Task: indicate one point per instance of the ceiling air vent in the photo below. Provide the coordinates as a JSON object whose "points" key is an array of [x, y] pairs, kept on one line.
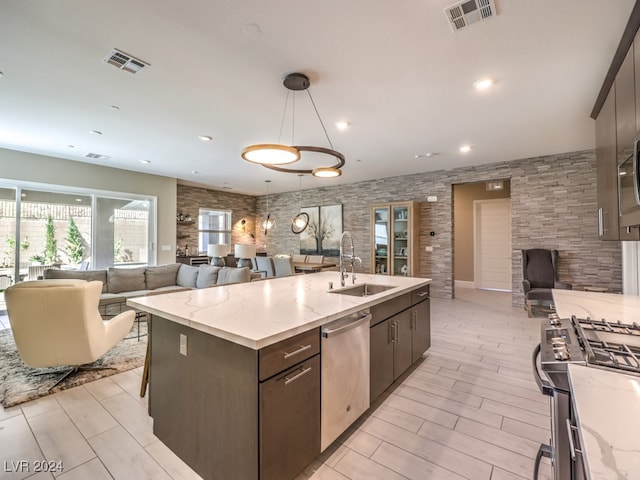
{"points": [[467, 12], [125, 61], [97, 156]]}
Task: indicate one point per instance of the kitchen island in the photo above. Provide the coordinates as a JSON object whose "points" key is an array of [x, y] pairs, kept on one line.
{"points": [[235, 385]]}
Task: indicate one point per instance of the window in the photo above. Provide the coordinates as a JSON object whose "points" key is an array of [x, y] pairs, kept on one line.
{"points": [[71, 227], [214, 226]]}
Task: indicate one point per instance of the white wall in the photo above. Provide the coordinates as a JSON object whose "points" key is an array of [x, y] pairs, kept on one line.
{"points": [[42, 169]]}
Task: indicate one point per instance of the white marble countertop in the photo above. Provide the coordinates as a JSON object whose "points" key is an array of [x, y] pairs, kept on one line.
{"points": [[608, 412], [610, 306], [257, 314]]}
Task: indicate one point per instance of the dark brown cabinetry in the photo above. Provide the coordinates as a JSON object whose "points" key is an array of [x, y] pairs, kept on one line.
{"points": [[233, 412], [616, 128], [400, 334], [390, 351], [606, 169], [381, 364], [420, 322], [290, 420]]}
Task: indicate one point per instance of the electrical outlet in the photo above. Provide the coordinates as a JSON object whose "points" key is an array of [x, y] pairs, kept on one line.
{"points": [[428, 249], [166, 248], [183, 345]]}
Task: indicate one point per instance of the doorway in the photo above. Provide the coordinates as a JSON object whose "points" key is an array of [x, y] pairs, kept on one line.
{"points": [[492, 244], [467, 273]]}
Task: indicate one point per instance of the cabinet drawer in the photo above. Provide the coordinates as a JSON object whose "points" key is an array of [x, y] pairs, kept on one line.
{"points": [[282, 355], [420, 295], [290, 421], [389, 308]]}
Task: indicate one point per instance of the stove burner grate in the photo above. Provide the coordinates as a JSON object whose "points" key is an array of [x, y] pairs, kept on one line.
{"points": [[614, 355], [612, 327]]}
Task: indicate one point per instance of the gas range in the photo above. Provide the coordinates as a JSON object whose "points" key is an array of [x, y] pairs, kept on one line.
{"points": [[583, 341], [590, 342]]}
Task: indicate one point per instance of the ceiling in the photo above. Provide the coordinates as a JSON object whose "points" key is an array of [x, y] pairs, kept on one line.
{"points": [[394, 70]]}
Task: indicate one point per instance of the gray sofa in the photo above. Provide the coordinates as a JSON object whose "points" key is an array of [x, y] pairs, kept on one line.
{"points": [[118, 284]]}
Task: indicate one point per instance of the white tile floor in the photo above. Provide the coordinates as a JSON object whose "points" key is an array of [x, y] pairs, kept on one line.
{"points": [[470, 410]]}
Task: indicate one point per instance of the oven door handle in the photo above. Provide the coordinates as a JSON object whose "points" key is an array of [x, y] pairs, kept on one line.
{"points": [[544, 385], [543, 451]]}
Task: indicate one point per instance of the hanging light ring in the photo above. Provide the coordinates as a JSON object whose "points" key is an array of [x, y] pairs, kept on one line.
{"points": [[325, 151], [300, 222]]}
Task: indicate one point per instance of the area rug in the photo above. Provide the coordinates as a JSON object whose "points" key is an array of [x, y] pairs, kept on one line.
{"points": [[18, 384]]}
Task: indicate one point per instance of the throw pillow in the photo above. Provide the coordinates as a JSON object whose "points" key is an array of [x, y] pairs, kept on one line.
{"points": [[161, 276], [187, 276], [233, 275], [207, 276], [125, 279]]}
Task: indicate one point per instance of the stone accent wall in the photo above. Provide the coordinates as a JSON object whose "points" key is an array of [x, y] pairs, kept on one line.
{"points": [[553, 206], [190, 199]]}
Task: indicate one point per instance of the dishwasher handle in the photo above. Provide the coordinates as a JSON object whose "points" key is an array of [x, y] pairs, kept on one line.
{"points": [[343, 325]]}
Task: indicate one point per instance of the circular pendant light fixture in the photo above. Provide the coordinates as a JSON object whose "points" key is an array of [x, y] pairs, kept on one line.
{"points": [[272, 155], [300, 222]]}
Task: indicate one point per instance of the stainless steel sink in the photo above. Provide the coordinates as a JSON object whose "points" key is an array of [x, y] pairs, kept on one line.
{"points": [[362, 290]]}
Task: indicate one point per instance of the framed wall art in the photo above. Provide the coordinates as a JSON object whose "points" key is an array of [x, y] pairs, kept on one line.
{"points": [[322, 236]]}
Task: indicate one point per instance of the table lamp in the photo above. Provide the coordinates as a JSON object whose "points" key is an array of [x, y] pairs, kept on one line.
{"points": [[244, 252], [217, 252]]}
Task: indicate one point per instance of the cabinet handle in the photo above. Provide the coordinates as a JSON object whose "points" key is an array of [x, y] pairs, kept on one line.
{"points": [[422, 294], [414, 320], [304, 371], [600, 222], [300, 350], [396, 335], [390, 333], [572, 447]]}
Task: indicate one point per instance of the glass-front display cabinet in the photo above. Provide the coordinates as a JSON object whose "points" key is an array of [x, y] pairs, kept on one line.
{"points": [[394, 238]]}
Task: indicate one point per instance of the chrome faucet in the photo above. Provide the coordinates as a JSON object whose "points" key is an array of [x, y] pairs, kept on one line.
{"points": [[350, 256]]}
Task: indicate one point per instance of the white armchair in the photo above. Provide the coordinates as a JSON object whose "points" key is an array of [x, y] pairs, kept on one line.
{"points": [[56, 323]]}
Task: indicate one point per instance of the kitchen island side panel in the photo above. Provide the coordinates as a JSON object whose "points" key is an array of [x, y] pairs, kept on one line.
{"points": [[204, 404]]}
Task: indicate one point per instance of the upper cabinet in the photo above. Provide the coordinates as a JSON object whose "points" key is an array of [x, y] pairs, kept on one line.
{"points": [[626, 119], [606, 168], [616, 128], [394, 238]]}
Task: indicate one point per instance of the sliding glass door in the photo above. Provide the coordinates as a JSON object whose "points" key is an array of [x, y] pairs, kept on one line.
{"points": [[72, 228], [123, 232]]}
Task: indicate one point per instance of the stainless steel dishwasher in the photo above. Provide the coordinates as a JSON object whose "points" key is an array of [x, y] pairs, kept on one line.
{"points": [[345, 374]]}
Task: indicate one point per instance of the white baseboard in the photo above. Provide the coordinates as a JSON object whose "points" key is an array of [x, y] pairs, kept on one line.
{"points": [[464, 284]]}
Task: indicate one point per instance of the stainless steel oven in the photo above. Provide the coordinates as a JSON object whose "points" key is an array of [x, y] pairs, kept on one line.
{"points": [[594, 343], [558, 347]]}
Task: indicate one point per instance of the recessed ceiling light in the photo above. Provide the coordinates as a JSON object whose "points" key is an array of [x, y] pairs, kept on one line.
{"points": [[114, 107], [342, 125], [465, 148], [425, 155], [71, 146], [78, 199], [195, 171], [146, 162], [1, 74], [95, 132], [205, 138], [483, 84]]}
